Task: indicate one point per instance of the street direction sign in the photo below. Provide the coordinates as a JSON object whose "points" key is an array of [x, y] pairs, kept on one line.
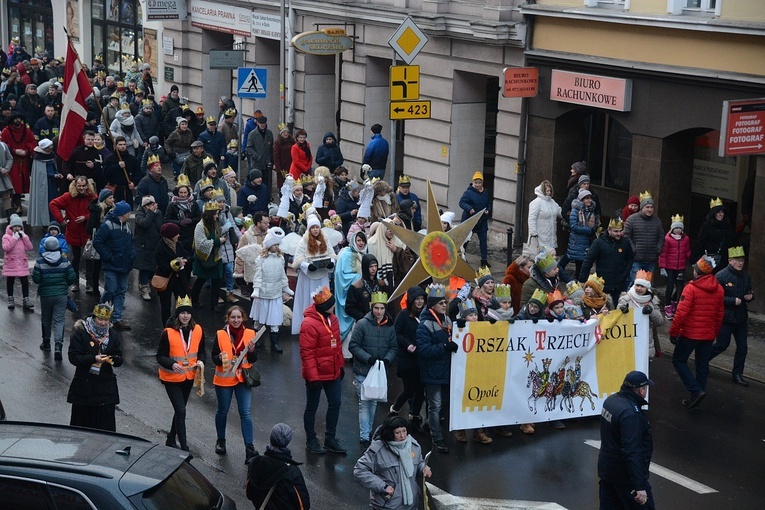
{"points": [[743, 127], [251, 82], [405, 110], [404, 83], [408, 40]]}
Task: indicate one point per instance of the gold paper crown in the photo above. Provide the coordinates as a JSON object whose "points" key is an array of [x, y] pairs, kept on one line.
{"points": [[148, 102], [616, 224], [153, 159], [735, 252], [228, 170], [546, 263], [183, 180], [207, 162], [571, 287], [554, 296], [379, 297], [305, 179], [216, 193], [103, 311], [211, 120], [677, 217], [204, 183], [467, 307], [121, 84], [646, 195], [539, 295], [321, 295], [715, 202], [183, 301], [642, 274], [596, 282], [211, 206], [233, 144], [306, 206], [124, 106], [404, 180], [502, 292], [230, 112], [281, 127], [482, 271], [114, 95], [436, 290]]}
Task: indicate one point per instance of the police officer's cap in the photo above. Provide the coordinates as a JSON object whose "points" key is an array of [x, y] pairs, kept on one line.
{"points": [[637, 379]]}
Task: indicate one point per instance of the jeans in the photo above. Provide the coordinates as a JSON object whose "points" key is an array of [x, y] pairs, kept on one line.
{"points": [[144, 276], [615, 497], [434, 394], [636, 266], [53, 311], [333, 390], [115, 287], [176, 167], [367, 410], [75, 254], [178, 393], [243, 402], [739, 332], [228, 275], [683, 349]]}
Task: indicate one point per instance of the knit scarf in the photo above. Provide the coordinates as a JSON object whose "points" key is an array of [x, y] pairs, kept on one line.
{"points": [[170, 243], [184, 205], [677, 237], [404, 451], [586, 217], [99, 334], [637, 299], [595, 302]]}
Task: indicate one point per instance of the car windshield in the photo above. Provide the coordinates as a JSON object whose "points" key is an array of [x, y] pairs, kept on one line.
{"points": [[186, 488]]}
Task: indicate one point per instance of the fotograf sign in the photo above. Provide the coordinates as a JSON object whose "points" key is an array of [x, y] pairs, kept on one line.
{"points": [[591, 90], [166, 9], [743, 127], [329, 41]]}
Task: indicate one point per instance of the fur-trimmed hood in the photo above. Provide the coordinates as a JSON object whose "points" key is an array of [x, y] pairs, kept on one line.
{"points": [[73, 189]]}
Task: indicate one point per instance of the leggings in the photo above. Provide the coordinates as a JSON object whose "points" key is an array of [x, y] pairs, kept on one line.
{"points": [[9, 281]]}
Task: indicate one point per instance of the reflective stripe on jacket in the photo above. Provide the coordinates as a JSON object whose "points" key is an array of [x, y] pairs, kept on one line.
{"points": [[179, 355], [229, 378]]}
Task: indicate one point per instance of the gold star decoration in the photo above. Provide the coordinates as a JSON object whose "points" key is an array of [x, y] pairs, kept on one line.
{"points": [[528, 357], [439, 256]]}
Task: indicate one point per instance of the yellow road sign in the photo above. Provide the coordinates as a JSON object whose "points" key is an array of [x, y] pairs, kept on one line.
{"points": [[404, 83], [408, 40], [403, 110]]}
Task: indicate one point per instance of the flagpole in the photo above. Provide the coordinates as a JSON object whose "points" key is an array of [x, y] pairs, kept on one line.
{"points": [[100, 109]]}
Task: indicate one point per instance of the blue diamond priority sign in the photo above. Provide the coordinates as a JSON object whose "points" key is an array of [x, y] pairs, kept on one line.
{"points": [[251, 82]]}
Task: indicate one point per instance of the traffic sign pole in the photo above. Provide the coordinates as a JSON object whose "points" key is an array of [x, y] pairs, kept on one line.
{"points": [[392, 177]]}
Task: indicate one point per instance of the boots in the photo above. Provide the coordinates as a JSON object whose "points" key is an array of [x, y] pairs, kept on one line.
{"points": [[11, 303], [45, 345], [57, 354], [480, 436], [27, 304], [145, 292], [669, 311], [416, 423], [275, 343]]}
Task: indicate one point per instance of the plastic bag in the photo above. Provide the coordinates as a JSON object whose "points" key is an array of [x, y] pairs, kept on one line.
{"points": [[375, 386]]}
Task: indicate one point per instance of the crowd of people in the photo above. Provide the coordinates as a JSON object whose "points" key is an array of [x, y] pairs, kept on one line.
{"points": [[110, 209]]}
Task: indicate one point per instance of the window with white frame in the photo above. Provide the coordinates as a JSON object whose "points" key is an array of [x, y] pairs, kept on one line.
{"points": [[702, 5], [698, 7]]}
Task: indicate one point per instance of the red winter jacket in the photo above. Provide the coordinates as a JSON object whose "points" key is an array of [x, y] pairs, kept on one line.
{"points": [[75, 205], [700, 311], [301, 163], [321, 361], [675, 253]]}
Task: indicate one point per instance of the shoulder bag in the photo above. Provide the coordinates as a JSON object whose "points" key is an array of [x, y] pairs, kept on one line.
{"points": [[160, 283], [89, 251]]}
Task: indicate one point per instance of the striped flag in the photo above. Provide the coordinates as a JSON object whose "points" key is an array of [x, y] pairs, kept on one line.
{"points": [[77, 88]]}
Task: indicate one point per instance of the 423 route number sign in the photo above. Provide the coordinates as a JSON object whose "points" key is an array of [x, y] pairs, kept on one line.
{"points": [[405, 110]]}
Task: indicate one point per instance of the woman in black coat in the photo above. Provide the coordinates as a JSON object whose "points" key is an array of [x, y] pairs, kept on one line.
{"points": [[171, 260], [94, 348], [715, 237], [148, 221], [406, 357]]}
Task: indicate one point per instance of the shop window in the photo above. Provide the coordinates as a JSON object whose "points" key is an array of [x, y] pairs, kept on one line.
{"points": [[117, 33], [32, 22], [607, 148]]}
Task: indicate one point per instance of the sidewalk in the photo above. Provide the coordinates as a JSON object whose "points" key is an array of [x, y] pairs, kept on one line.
{"points": [[755, 359]]}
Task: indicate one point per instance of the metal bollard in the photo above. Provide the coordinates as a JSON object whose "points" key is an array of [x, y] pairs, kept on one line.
{"points": [[510, 257]]}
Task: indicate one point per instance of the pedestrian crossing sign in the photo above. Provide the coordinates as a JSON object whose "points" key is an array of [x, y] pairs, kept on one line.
{"points": [[251, 82]]}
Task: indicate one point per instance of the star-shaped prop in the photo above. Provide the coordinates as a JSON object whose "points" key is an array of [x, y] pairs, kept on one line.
{"points": [[438, 250]]}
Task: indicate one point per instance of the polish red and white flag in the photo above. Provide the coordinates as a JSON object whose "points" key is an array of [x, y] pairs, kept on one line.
{"points": [[77, 88]]}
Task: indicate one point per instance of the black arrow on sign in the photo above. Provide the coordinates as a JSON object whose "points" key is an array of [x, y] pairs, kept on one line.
{"points": [[398, 110]]}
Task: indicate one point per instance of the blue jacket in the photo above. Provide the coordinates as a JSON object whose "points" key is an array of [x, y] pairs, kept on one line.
{"points": [[579, 240], [376, 154], [476, 200], [417, 216], [215, 144], [736, 284], [248, 126], [330, 155], [62, 245], [260, 192], [434, 358], [114, 242], [149, 186]]}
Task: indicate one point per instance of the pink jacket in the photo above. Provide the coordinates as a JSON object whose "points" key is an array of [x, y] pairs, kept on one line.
{"points": [[675, 253], [16, 262]]}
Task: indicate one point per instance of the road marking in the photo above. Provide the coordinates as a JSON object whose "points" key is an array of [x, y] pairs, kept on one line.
{"points": [[442, 500], [670, 475]]}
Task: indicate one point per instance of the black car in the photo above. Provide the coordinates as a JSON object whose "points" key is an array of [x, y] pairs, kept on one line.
{"points": [[54, 467]]}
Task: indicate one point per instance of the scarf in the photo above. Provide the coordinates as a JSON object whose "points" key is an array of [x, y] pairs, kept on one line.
{"points": [[306, 148], [677, 237], [638, 300], [236, 335], [595, 302], [586, 217], [99, 334], [170, 243], [404, 451], [183, 204]]}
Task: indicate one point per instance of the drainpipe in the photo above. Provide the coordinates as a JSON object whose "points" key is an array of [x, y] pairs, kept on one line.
{"points": [[291, 74]]}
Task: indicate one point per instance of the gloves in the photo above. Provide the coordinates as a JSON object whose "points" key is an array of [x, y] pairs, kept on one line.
{"points": [[314, 385], [647, 309], [461, 323], [330, 265], [511, 321], [624, 308], [372, 361], [252, 199], [535, 320], [312, 267], [185, 222], [672, 340], [342, 373], [451, 346]]}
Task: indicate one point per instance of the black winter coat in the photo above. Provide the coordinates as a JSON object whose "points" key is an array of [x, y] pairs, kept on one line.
{"points": [[163, 256], [280, 470], [434, 357], [613, 261], [186, 220], [146, 237], [90, 389], [736, 284], [406, 335], [714, 237], [626, 444]]}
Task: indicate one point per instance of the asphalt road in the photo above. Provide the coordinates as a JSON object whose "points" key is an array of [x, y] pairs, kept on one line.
{"points": [[712, 457]]}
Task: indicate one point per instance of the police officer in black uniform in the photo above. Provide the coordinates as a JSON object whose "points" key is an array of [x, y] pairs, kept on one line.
{"points": [[626, 447]]}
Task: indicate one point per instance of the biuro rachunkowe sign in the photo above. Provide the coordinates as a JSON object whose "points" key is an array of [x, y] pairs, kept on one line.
{"points": [[329, 41]]}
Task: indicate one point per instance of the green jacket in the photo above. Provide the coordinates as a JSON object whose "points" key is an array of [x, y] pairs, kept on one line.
{"points": [[53, 274]]}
